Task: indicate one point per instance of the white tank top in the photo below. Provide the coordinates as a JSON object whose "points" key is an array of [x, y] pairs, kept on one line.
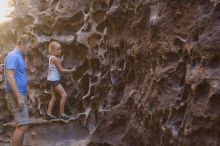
{"points": [[53, 73]]}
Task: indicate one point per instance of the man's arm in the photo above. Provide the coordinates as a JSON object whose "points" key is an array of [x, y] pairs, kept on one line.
{"points": [[11, 81], [13, 86], [11, 64]]}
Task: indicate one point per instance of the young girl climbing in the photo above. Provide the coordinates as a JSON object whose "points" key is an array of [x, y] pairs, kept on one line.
{"points": [[53, 80]]}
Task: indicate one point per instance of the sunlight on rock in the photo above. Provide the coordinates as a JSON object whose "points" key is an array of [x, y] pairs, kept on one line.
{"points": [[5, 10]]}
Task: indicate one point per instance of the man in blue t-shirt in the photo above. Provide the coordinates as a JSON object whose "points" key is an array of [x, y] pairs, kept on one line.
{"points": [[16, 86]]}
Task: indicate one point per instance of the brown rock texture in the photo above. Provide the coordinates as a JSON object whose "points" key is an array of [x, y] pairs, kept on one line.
{"points": [[147, 71]]}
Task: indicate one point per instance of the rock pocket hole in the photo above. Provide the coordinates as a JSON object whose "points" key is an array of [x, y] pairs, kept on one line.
{"points": [[214, 103], [202, 92], [214, 62]]}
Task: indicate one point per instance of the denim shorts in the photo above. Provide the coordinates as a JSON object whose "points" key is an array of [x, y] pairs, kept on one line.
{"points": [[52, 84], [21, 118]]}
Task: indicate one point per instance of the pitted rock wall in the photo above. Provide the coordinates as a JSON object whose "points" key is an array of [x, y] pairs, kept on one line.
{"points": [[147, 70]]}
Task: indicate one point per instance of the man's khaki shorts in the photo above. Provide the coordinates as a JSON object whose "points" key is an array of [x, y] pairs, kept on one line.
{"points": [[21, 118]]}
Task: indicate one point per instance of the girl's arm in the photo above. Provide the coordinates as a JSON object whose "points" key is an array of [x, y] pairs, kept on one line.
{"points": [[57, 63]]}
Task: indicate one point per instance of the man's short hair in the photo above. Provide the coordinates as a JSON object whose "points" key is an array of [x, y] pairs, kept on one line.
{"points": [[26, 38]]}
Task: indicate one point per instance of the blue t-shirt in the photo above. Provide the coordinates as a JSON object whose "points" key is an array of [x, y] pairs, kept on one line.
{"points": [[15, 61]]}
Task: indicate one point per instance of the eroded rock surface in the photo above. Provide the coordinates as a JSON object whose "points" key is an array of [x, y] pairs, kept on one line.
{"points": [[147, 71]]}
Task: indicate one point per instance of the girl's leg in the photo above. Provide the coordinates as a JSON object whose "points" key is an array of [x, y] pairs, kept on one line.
{"points": [[52, 101], [59, 89]]}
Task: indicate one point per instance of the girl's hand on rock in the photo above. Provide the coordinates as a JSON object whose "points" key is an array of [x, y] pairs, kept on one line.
{"points": [[73, 69]]}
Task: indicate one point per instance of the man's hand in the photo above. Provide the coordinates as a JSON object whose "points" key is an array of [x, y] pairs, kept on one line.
{"points": [[21, 103]]}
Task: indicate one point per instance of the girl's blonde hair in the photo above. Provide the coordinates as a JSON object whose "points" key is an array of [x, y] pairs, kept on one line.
{"points": [[52, 46]]}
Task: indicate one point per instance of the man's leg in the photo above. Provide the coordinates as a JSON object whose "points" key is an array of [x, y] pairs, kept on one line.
{"points": [[21, 118], [18, 136], [25, 129]]}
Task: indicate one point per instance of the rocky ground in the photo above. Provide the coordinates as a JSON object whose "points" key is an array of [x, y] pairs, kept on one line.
{"points": [[147, 71]]}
